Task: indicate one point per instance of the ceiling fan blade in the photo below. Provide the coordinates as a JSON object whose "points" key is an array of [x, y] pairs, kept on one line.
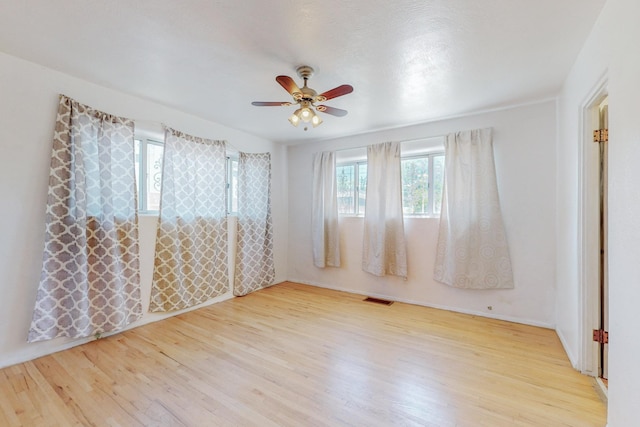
{"points": [[288, 84], [331, 110], [336, 92], [271, 104]]}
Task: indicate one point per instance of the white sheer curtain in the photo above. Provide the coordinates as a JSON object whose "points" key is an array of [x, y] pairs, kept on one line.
{"points": [[472, 244], [384, 249], [191, 244], [254, 256], [324, 211], [90, 280]]}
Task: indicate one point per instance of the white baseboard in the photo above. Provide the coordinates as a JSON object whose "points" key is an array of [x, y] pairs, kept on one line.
{"points": [[529, 322], [572, 357], [67, 343], [602, 389]]}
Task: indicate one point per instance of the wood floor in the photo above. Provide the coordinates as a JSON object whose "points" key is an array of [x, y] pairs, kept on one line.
{"points": [[294, 355]]}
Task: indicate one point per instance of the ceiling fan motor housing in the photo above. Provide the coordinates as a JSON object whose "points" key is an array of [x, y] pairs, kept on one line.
{"points": [[307, 94], [304, 71]]}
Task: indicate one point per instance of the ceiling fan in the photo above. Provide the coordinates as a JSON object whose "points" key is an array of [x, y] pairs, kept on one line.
{"points": [[306, 98]]}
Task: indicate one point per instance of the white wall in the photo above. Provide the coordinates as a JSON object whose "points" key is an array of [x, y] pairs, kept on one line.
{"points": [[28, 105], [611, 50], [524, 146]]}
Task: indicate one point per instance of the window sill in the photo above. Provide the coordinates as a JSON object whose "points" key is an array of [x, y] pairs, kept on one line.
{"points": [[157, 214], [422, 217], [405, 217]]}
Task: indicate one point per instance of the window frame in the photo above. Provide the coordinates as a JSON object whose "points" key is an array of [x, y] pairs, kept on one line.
{"points": [[142, 140], [430, 184], [356, 187], [141, 183], [429, 154], [233, 158]]}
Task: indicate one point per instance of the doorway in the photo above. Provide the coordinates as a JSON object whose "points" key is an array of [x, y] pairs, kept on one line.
{"points": [[603, 332], [593, 234]]}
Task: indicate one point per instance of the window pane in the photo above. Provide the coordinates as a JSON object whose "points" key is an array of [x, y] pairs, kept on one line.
{"points": [[136, 155], [233, 185], [346, 188], [415, 186], [154, 175], [362, 187], [438, 183]]}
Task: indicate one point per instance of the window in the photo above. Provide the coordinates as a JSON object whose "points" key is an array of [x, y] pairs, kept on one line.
{"points": [[148, 163], [232, 185], [422, 182], [422, 185], [352, 187]]}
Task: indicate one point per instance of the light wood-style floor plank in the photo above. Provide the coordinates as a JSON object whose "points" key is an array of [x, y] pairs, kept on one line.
{"points": [[296, 355]]}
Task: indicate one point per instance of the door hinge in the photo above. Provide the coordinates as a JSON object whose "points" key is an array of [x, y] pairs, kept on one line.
{"points": [[601, 135], [601, 336]]}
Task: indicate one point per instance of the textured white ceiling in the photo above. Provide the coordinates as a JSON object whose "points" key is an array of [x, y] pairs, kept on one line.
{"points": [[409, 61]]}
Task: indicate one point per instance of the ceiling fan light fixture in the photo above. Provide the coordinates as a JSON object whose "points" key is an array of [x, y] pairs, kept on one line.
{"points": [[295, 118], [316, 121], [306, 113]]}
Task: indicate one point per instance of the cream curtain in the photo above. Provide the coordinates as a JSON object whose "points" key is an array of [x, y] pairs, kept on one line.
{"points": [[254, 256], [384, 249], [90, 280], [324, 211], [191, 244], [472, 244]]}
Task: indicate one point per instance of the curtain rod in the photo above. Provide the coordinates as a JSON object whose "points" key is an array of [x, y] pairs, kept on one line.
{"points": [[409, 140], [425, 138], [159, 129], [153, 128]]}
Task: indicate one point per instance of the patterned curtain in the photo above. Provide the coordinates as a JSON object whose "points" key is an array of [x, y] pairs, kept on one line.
{"points": [[90, 271], [324, 211], [384, 249], [472, 244], [254, 258], [191, 244]]}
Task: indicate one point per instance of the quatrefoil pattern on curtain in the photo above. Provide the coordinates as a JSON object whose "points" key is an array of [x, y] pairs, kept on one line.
{"points": [[254, 258], [191, 245], [90, 273]]}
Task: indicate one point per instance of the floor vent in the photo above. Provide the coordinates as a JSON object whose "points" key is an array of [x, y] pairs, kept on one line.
{"points": [[378, 301]]}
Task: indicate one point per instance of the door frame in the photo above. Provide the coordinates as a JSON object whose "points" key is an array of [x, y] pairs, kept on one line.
{"points": [[589, 229]]}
